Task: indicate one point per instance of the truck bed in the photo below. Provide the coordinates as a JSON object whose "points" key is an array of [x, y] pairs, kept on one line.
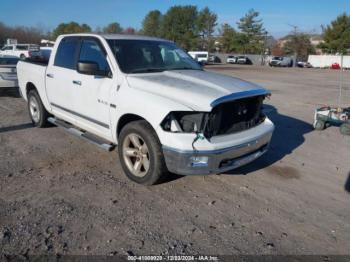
{"points": [[32, 72], [37, 61]]}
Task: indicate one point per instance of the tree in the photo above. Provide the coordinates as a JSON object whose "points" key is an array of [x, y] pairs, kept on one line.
{"points": [[231, 40], [277, 49], [254, 32], [68, 28], [22, 34], [299, 44], [151, 24], [112, 28], [336, 36], [227, 33], [129, 31], [206, 22], [179, 25]]}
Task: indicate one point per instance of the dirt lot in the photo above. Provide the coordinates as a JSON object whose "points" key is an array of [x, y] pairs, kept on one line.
{"points": [[59, 194]]}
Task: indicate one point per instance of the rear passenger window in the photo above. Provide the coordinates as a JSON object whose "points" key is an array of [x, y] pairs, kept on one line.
{"points": [[66, 53], [91, 51], [22, 47]]}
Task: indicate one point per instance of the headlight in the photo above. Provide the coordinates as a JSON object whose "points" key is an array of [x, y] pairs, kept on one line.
{"points": [[184, 121]]}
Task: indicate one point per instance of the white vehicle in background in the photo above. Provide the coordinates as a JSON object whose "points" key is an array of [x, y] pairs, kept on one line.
{"points": [[160, 107], [200, 56], [243, 60], [8, 71], [20, 50], [231, 59], [281, 61]]}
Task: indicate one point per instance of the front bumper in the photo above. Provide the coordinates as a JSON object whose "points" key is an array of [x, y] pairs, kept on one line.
{"points": [[218, 161]]}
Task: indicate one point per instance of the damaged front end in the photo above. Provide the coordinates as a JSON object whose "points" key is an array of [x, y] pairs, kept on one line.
{"points": [[229, 115]]}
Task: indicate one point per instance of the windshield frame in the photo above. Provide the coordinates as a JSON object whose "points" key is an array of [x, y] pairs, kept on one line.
{"points": [[192, 65]]}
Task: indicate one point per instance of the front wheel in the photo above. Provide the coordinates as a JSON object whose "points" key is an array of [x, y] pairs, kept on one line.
{"points": [[37, 111], [140, 153]]}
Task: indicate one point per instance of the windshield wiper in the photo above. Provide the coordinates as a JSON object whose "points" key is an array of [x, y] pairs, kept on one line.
{"points": [[184, 68], [147, 70]]}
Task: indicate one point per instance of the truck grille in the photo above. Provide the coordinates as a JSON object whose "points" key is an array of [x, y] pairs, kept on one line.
{"points": [[235, 116]]}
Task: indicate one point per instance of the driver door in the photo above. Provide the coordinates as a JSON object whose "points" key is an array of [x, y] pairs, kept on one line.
{"points": [[92, 92]]}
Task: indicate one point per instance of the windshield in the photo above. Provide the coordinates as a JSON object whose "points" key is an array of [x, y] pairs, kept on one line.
{"points": [[144, 56], [278, 58]]}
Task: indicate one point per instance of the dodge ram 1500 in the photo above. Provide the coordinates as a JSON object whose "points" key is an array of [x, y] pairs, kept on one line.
{"points": [[150, 98]]}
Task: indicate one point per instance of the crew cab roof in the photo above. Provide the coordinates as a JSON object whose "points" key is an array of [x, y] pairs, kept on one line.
{"points": [[120, 36]]}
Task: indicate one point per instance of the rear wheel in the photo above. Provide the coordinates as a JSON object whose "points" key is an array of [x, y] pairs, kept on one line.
{"points": [[319, 125], [37, 111], [140, 153], [345, 129]]}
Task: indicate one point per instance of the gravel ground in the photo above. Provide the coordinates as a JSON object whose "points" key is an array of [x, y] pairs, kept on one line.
{"points": [[61, 195]]}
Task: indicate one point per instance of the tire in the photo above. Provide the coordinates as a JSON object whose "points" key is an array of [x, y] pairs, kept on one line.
{"points": [[319, 125], [345, 129], [22, 56], [37, 111], [149, 150]]}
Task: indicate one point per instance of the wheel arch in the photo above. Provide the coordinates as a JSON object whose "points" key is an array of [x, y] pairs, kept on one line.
{"points": [[126, 119], [30, 86]]}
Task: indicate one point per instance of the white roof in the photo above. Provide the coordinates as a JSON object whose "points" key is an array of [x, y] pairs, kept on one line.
{"points": [[121, 36]]}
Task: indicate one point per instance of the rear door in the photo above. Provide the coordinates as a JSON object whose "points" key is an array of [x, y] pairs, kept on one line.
{"points": [[92, 98], [60, 74]]}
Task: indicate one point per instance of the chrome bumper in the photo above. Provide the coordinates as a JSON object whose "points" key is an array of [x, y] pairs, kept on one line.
{"points": [[218, 161]]}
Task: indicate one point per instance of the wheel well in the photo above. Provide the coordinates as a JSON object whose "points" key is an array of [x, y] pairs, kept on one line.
{"points": [[30, 86], [126, 119]]}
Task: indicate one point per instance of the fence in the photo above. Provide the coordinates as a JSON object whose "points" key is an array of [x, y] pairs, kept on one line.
{"points": [[325, 61]]}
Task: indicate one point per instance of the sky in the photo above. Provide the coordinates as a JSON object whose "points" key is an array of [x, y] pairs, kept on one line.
{"points": [[277, 15]]}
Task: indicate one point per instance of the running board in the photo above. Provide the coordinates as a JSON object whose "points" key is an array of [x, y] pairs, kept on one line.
{"points": [[82, 134]]}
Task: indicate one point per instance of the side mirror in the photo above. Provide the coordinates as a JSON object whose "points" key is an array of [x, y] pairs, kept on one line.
{"points": [[91, 68]]}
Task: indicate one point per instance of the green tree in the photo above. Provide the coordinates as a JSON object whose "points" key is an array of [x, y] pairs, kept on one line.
{"points": [[151, 24], [112, 28], [231, 40], [69, 28], [206, 23], [254, 32], [179, 25], [228, 33], [300, 45], [336, 36]]}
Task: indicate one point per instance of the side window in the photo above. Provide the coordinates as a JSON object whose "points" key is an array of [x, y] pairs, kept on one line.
{"points": [[91, 51], [66, 53], [22, 47]]}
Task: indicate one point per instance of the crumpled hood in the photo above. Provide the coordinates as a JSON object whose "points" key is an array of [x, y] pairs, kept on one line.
{"points": [[196, 89]]}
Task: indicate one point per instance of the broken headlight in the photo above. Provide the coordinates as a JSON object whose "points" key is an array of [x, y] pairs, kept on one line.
{"points": [[184, 121]]}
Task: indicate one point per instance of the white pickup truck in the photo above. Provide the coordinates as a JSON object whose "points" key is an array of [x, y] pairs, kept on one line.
{"points": [[152, 99]]}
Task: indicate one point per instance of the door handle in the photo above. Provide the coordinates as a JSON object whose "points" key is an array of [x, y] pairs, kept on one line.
{"points": [[49, 75], [76, 82]]}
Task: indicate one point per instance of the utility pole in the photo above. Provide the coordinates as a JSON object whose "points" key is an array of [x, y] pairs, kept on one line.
{"points": [[340, 79], [295, 31]]}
